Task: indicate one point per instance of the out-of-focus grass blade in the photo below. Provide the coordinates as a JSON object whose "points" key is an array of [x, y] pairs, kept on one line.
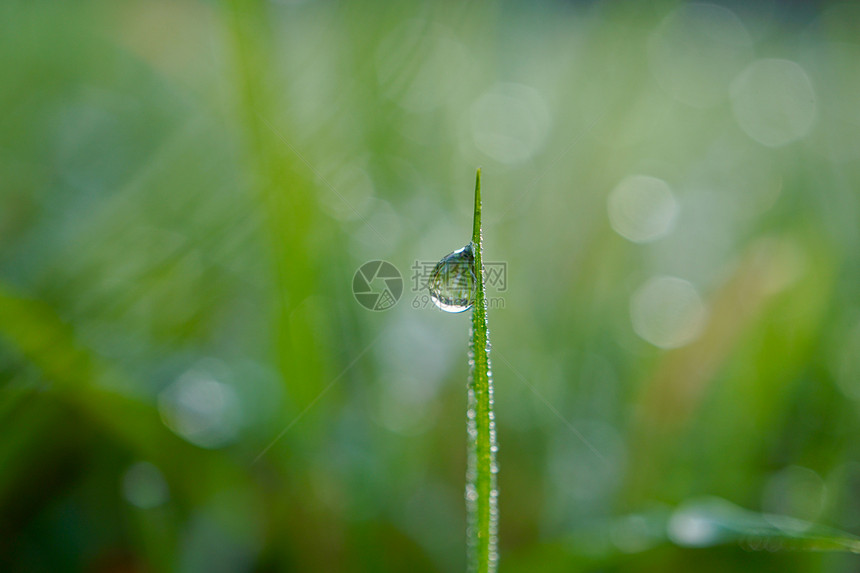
{"points": [[697, 524], [80, 379], [714, 521]]}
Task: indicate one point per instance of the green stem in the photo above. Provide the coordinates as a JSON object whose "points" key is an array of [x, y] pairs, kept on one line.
{"points": [[481, 492]]}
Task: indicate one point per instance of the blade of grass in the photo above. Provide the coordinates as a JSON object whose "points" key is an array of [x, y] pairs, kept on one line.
{"points": [[695, 525], [715, 521], [481, 491]]}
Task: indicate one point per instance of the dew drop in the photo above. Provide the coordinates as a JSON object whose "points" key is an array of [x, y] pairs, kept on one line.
{"points": [[471, 493], [452, 283]]}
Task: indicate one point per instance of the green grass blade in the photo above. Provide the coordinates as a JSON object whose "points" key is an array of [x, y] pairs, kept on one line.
{"points": [[696, 524], [481, 491], [717, 521]]}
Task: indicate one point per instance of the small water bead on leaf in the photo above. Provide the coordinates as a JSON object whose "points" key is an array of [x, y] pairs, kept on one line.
{"points": [[452, 283]]}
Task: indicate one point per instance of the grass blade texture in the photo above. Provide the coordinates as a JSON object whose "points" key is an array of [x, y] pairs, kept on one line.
{"points": [[481, 492]]}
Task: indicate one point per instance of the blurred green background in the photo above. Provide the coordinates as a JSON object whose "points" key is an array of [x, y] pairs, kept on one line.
{"points": [[187, 188]]}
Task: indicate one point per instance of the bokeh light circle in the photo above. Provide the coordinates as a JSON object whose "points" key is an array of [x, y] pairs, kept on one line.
{"points": [[510, 122], [642, 208], [696, 51], [667, 312], [774, 102]]}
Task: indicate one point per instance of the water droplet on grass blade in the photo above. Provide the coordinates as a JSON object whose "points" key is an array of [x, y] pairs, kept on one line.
{"points": [[452, 283]]}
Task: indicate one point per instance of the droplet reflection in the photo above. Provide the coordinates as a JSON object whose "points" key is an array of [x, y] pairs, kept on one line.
{"points": [[452, 283]]}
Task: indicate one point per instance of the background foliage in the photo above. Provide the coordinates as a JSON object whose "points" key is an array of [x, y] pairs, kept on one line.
{"points": [[186, 189]]}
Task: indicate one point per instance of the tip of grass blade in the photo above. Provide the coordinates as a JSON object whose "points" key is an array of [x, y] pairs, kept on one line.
{"points": [[476, 226]]}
